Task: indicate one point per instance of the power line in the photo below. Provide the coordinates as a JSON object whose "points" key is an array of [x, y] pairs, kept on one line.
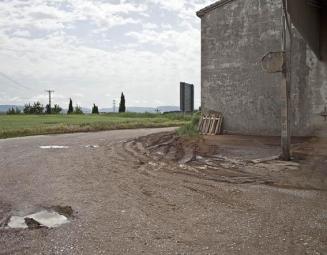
{"points": [[13, 81]]}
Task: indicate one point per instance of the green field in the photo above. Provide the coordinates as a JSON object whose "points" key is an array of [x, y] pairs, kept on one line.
{"points": [[26, 125]]}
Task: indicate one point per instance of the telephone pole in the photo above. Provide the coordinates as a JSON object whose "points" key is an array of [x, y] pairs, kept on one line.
{"points": [[281, 62], [286, 86], [50, 94]]}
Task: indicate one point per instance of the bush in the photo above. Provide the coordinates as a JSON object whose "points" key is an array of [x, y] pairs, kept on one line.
{"points": [[190, 129], [54, 110], [78, 110], [27, 108], [36, 108], [196, 118]]}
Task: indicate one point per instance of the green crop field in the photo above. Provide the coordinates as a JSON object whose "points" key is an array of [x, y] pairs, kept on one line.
{"points": [[25, 125]]}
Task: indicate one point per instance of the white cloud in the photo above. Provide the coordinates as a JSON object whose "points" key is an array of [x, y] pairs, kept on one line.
{"points": [[22, 33], [149, 26], [124, 47]]}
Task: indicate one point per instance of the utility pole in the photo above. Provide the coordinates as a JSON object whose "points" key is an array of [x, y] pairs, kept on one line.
{"points": [[285, 90], [50, 93], [114, 105], [280, 62]]}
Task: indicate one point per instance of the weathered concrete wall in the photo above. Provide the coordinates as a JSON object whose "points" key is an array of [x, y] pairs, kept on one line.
{"points": [[317, 82], [234, 39], [308, 90]]}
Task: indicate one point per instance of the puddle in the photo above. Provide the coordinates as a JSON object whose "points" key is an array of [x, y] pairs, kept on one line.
{"points": [[17, 222], [43, 218], [54, 147], [92, 146], [49, 219]]}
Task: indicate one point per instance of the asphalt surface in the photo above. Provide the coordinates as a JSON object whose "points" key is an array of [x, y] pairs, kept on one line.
{"points": [[126, 203]]}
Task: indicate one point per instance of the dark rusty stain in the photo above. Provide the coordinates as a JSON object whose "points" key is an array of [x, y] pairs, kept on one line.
{"points": [[272, 62]]}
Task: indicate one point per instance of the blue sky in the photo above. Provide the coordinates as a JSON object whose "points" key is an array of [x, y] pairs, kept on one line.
{"points": [[92, 50]]}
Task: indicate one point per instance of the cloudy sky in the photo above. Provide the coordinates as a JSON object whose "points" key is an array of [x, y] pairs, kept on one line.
{"points": [[92, 50]]}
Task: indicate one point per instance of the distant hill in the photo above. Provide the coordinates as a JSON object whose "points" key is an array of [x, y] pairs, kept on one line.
{"points": [[169, 108], [5, 108]]}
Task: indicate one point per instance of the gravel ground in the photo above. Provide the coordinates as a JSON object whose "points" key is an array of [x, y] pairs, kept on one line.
{"points": [[125, 202]]}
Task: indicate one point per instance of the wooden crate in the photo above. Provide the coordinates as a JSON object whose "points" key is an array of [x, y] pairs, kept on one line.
{"points": [[211, 124]]}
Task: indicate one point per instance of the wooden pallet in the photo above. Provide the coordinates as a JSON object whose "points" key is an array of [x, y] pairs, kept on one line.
{"points": [[211, 124]]}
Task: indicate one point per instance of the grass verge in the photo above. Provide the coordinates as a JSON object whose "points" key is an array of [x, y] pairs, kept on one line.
{"points": [[26, 125]]}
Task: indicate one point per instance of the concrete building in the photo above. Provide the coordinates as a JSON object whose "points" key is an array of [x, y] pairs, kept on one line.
{"points": [[236, 34], [186, 97]]}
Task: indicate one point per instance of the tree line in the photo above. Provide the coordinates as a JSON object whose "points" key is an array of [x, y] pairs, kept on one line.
{"points": [[38, 108]]}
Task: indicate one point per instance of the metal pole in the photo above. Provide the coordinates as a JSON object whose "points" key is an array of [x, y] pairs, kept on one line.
{"points": [[285, 100]]}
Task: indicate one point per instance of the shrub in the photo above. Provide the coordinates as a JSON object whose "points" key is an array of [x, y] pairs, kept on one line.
{"points": [[56, 109], [36, 108], [190, 129], [78, 110]]}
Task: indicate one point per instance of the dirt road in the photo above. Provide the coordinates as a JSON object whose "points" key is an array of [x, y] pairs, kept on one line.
{"points": [[126, 203]]}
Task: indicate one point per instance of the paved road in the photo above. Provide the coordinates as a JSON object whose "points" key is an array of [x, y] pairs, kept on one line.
{"points": [[126, 204]]}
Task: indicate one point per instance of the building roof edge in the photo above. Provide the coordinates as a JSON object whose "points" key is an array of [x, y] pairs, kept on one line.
{"points": [[211, 7]]}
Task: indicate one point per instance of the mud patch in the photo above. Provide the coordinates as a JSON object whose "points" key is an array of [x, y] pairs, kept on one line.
{"points": [[63, 210], [168, 146], [234, 159]]}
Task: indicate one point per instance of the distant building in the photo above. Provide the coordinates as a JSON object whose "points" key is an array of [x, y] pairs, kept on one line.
{"points": [[186, 97], [235, 35]]}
